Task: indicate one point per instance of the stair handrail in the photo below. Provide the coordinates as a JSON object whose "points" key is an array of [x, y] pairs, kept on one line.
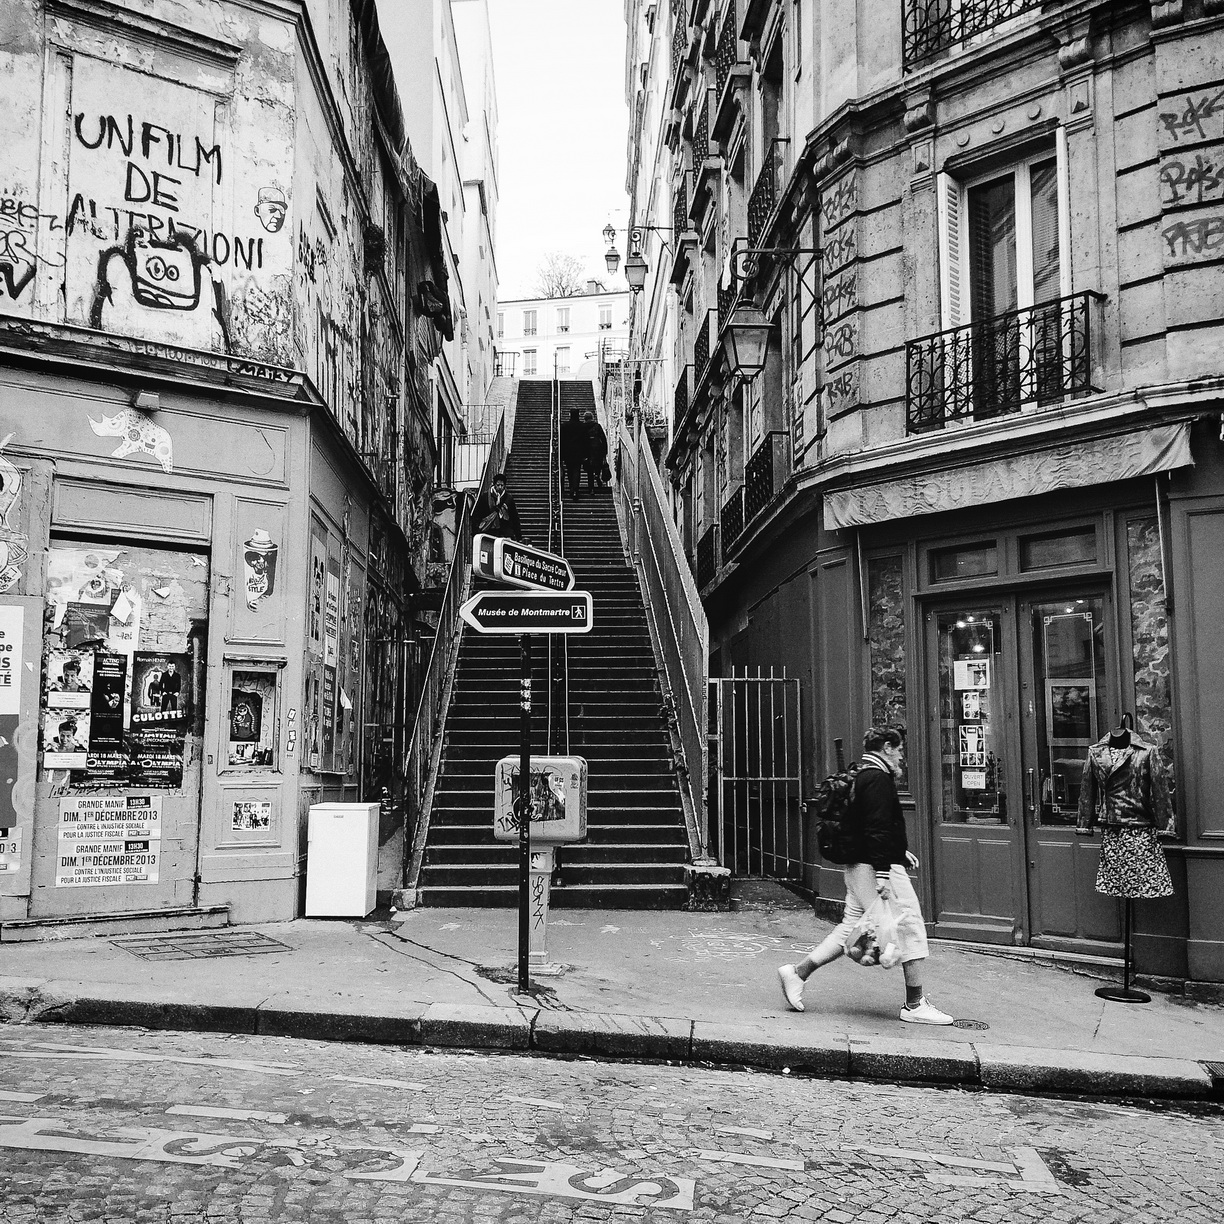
{"points": [[558, 644], [675, 610], [421, 759]]}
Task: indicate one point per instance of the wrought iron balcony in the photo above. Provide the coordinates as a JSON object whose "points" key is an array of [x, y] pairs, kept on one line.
{"points": [[681, 400], [701, 136], [728, 295], [732, 519], [679, 42], [726, 52], [1024, 359], [680, 220], [701, 345], [765, 192], [764, 473], [929, 26], [707, 556]]}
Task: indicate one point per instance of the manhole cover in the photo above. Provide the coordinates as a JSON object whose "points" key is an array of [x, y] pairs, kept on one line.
{"points": [[199, 945], [970, 1024]]}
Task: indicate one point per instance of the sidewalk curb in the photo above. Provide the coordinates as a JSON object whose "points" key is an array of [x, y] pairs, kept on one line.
{"points": [[994, 1067]]}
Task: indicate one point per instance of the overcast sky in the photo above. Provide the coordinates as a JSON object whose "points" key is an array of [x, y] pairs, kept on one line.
{"points": [[560, 67]]}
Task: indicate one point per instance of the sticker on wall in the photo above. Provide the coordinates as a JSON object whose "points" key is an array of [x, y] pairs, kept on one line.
{"points": [[251, 815], [271, 207], [259, 566], [140, 434], [108, 839]]}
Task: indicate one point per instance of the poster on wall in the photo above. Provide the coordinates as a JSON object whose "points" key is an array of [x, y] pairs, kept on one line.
{"points": [[259, 567], [251, 815], [107, 762], [318, 581], [65, 739], [252, 720], [971, 673], [11, 644], [331, 614], [10, 849], [329, 715], [158, 726], [108, 839]]}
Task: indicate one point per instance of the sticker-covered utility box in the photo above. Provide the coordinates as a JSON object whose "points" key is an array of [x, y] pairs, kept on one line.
{"points": [[558, 799]]}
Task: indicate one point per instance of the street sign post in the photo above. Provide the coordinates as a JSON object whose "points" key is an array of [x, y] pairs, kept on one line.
{"points": [[534, 612], [520, 565]]}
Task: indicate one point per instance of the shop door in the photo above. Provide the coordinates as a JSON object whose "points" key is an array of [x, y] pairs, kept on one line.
{"points": [[974, 773], [1066, 660], [117, 806]]}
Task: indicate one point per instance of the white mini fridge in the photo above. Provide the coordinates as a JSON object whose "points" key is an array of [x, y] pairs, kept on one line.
{"points": [[341, 860]]}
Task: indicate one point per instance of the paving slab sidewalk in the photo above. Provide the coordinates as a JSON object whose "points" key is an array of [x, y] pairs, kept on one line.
{"points": [[687, 987]]}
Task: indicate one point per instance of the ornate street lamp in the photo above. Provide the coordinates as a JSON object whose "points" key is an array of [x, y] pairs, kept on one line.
{"points": [[635, 270], [745, 340]]}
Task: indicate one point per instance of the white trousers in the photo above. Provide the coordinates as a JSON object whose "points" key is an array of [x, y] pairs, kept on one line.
{"points": [[861, 892]]}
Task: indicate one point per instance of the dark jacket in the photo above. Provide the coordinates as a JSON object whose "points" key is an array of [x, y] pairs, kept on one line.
{"points": [[574, 442], [597, 445], [498, 518], [877, 812], [1132, 795]]}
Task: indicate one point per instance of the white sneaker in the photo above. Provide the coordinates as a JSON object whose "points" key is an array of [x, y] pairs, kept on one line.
{"points": [[792, 987], [923, 1013]]}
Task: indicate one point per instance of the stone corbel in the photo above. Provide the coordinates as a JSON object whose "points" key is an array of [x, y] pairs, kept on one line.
{"points": [[1075, 45], [837, 152], [919, 112], [1166, 13]]}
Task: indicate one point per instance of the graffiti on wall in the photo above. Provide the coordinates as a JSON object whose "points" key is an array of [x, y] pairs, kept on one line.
{"points": [[138, 434], [839, 297], [1190, 137]]}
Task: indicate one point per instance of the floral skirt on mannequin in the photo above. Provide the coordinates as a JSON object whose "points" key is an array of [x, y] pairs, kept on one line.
{"points": [[1132, 864]]}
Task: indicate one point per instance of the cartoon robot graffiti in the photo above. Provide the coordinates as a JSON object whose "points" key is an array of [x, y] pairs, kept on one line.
{"points": [[138, 434], [161, 275]]}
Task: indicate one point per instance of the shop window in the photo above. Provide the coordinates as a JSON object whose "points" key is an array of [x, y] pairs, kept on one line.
{"points": [[886, 644], [1058, 548], [965, 561], [253, 718], [1150, 640]]}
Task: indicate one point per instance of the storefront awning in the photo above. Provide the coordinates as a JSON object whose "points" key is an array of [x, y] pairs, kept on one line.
{"points": [[1071, 466]]}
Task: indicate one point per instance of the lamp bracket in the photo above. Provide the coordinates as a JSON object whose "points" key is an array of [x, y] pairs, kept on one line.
{"points": [[745, 259]]}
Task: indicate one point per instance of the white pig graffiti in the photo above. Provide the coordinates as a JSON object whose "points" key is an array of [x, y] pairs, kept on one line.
{"points": [[138, 434]]}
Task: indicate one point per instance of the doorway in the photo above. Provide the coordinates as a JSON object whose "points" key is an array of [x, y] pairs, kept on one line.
{"points": [[1022, 686]]}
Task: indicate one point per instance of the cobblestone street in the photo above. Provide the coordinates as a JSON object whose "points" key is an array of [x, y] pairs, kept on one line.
{"points": [[128, 1125]]}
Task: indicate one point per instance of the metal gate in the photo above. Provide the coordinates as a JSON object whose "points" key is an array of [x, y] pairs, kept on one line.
{"points": [[756, 789]]}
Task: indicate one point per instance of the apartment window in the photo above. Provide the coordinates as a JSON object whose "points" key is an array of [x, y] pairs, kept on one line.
{"points": [[529, 361], [563, 360], [605, 318], [563, 324], [501, 324], [529, 322]]}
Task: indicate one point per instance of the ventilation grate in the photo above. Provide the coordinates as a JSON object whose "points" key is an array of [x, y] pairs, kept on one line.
{"points": [[199, 945]]}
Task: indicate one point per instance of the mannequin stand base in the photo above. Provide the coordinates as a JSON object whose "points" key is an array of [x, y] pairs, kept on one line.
{"points": [[1122, 994]]}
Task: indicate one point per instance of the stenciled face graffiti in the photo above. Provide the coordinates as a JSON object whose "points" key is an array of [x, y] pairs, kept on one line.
{"points": [[259, 566], [157, 274], [139, 434], [271, 208]]}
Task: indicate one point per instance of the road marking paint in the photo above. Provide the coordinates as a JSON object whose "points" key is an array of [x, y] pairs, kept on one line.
{"points": [[533, 1101], [408, 1085], [202, 1148], [745, 1130], [1029, 1172], [22, 1098], [216, 1111], [424, 1128], [58, 1051], [955, 1162], [764, 1162], [609, 930], [559, 1180]]}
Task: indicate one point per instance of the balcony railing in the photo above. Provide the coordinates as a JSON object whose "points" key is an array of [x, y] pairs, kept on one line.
{"points": [[681, 400], [764, 473], [679, 44], [929, 26], [707, 556], [680, 221], [726, 52], [701, 345], [764, 198], [701, 137], [732, 518], [1026, 358], [728, 295]]}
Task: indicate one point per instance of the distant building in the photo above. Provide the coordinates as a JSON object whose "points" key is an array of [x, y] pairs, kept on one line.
{"points": [[562, 336]]}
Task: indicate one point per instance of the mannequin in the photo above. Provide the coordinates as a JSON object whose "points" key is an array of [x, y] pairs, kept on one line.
{"points": [[1124, 791]]}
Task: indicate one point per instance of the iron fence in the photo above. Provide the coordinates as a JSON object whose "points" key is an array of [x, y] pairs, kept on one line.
{"points": [[756, 785], [1035, 356], [929, 26], [764, 473]]}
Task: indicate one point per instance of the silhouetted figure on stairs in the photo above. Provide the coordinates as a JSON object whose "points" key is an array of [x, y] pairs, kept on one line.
{"points": [[575, 447]]}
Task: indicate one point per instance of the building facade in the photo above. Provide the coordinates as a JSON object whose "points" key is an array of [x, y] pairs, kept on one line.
{"points": [[562, 336], [946, 442], [217, 450]]}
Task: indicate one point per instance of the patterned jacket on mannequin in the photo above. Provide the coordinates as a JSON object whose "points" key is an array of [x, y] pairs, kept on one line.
{"points": [[1124, 788]]}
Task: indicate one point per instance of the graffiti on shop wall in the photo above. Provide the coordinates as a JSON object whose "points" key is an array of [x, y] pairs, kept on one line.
{"points": [[1192, 178], [14, 544], [271, 207], [139, 434], [259, 567]]}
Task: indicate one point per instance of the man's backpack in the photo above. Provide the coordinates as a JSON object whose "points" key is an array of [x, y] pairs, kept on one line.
{"points": [[835, 835]]}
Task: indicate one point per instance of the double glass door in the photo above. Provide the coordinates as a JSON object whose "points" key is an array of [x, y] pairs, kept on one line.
{"points": [[1021, 688]]}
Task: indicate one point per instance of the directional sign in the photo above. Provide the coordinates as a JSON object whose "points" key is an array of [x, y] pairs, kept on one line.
{"points": [[520, 564], [538, 612]]}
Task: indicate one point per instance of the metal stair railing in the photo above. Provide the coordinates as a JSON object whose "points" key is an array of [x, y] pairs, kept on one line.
{"points": [[675, 611], [558, 644], [421, 760]]}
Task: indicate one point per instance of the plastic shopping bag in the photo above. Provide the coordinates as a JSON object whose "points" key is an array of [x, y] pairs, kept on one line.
{"points": [[875, 939]]}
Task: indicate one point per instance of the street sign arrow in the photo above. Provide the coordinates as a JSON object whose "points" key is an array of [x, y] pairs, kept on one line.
{"points": [[520, 564], [537, 612]]}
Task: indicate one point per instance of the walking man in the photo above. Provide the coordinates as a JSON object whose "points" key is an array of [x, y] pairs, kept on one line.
{"points": [[875, 815], [597, 451], [574, 450]]}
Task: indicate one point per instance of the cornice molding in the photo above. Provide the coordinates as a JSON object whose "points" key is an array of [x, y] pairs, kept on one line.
{"points": [[124, 23]]}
